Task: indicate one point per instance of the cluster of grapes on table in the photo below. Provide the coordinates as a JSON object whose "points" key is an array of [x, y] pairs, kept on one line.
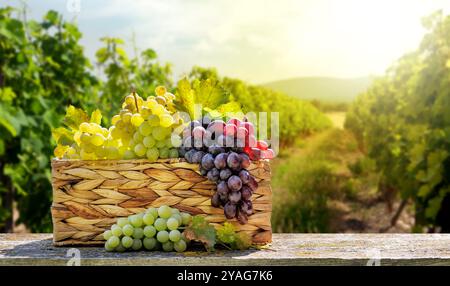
{"points": [[224, 151], [154, 229]]}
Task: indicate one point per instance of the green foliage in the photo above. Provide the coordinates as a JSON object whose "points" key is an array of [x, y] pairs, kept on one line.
{"points": [[403, 122], [43, 67]]}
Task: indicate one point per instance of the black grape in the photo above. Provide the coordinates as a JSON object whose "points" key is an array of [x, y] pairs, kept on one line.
{"points": [[244, 175], [215, 200], [234, 161], [229, 210], [221, 161], [222, 188], [246, 193], [225, 174], [208, 162], [213, 175], [215, 150], [241, 217], [245, 160], [189, 154], [197, 157], [234, 183], [253, 184], [234, 197]]}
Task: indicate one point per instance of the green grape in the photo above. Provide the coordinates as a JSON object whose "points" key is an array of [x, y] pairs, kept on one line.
{"points": [[140, 150], [127, 117], [153, 211], [174, 235], [141, 215], [136, 119], [148, 219], [120, 248], [88, 147], [148, 141], [167, 246], [128, 230], [173, 153], [127, 241], [172, 223], [128, 154], [114, 119], [97, 139], [113, 241], [151, 103], [137, 137], [164, 153], [160, 224], [85, 138], [153, 120], [129, 99], [164, 211], [137, 244], [85, 127], [186, 218], [107, 234], [145, 129], [162, 236], [152, 154], [159, 110], [159, 133], [138, 233], [178, 218], [175, 211], [136, 220], [176, 140], [180, 246], [108, 247], [149, 243], [116, 230], [145, 112], [166, 120], [149, 231], [113, 152], [122, 221], [101, 152], [160, 144]]}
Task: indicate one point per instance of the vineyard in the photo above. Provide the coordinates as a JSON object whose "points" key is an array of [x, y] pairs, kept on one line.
{"points": [[55, 72], [403, 123]]}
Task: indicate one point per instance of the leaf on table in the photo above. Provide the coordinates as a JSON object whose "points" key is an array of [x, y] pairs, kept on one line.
{"points": [[200, 230]]}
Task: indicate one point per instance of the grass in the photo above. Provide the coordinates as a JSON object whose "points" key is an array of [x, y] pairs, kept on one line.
{"points": [[312, 179]]}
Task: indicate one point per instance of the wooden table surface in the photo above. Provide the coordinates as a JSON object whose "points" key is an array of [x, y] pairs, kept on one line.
{"points": [[286, 249]]}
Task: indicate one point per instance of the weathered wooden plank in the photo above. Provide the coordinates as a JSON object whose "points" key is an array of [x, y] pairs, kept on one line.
{"points": [[286, 249]]}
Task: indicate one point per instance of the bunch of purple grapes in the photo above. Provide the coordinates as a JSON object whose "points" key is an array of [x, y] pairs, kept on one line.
{"points": [[223, 160]]}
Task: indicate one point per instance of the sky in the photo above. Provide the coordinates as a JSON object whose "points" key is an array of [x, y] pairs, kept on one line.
{"points": [[255, 40]]}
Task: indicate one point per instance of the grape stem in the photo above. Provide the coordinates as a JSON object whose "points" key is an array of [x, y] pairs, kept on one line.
{"points": [[133, 92]]}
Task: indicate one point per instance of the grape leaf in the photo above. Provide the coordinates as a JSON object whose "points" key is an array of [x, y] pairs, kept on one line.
{"points": [[231, 106], [74, 117], [62, 136], [226, 233], [96, 116], [236, 240], [200, 230], [185, 97], [209, 94]]}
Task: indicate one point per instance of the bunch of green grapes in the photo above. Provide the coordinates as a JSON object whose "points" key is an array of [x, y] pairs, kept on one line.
{"points": [[154, 229], [151, 132], [93, 142]]}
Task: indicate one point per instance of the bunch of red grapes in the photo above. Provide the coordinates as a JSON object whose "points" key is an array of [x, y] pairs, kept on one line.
{"points": [[224, 151]]}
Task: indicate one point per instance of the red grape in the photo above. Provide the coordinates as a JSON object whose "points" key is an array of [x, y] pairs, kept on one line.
{"points": [[234, 121], [230, 129], [242, 133], [262, 145], [249, 126], [255, 154], [198, 132], [250, 141], [267, 154]]}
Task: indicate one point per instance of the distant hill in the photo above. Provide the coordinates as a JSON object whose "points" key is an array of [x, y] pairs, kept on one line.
{"points": [[322, 88]]}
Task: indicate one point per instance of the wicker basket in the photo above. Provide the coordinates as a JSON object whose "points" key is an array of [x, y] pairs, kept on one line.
{"points": [[89, 196]]}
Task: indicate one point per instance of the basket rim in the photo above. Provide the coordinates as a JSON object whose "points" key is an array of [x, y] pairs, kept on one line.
{"points": [[168, 160]]}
